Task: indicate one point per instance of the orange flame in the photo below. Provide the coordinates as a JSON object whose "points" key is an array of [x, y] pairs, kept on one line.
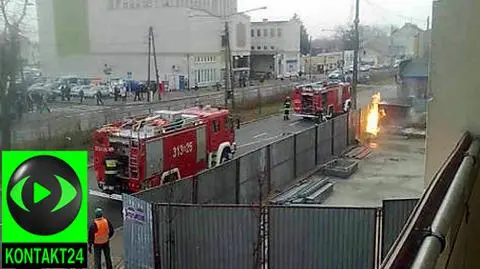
{"points": [[373, 117]]}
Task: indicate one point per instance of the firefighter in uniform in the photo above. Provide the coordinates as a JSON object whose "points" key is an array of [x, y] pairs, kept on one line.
{"points": [[99, 235], [286, 108], [111, 170]]}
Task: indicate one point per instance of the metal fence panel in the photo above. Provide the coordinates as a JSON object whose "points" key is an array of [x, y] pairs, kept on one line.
{"points": [[324, 142], [319, 237], [281, 164], [252, 171], [305, 151], [207, 237], [395, 215], [138, 239], [218, 185], [353, 125], [180, 191], [340, 134]]}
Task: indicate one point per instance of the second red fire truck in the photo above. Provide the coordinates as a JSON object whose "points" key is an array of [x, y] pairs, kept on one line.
{"points": [[322, 100], [151, 150]]}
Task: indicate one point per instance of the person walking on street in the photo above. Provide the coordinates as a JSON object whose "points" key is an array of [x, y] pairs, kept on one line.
{"points": [[196, 87], [68, 92], [116, 92], [286, 108], [98, 96], [43, 104], [99, 235], [137, 94], [82, 95]]}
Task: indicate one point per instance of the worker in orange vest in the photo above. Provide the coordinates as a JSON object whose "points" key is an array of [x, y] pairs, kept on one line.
{"points": [[100, 232]]}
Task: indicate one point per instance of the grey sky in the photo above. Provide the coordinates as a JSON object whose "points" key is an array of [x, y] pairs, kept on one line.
{"points": [[326, 14]]}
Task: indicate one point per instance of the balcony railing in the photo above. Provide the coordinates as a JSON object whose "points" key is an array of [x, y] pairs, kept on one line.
{"points": [[430, 229]]}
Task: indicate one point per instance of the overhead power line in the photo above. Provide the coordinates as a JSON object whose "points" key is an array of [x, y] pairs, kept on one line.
{"points": [[397, 14]]}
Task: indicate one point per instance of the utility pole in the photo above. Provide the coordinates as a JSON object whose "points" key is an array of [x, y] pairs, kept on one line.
{"points": [[227, 68], [157, 79], [355, 55], [230, 65], [188, 71], [310, 58], [148, 60]]}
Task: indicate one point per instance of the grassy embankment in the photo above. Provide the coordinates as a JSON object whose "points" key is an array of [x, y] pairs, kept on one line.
{"points": [[246, 111]]}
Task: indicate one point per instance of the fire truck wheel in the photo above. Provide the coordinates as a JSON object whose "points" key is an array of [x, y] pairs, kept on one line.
{"points": [[225, 155]]}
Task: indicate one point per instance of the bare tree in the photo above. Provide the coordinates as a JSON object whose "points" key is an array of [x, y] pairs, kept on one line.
{"points": [[13, 13]]}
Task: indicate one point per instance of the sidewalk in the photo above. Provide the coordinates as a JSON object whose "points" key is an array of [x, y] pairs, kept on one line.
{"points": [[167, 96], [116, 245], [116, 250]]}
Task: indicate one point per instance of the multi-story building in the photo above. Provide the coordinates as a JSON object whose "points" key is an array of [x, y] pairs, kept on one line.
{"points": [[403, 41], [275, 47], [328, 61], [81, 36]]}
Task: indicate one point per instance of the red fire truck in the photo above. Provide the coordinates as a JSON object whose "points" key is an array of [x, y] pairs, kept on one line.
{"points": [[165, 146], [321, 100]]}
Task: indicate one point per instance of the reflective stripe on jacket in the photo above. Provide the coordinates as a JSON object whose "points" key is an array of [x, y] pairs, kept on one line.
{"points": [[101, 236]]}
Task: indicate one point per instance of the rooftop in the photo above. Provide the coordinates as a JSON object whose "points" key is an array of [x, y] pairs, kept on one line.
{"points": [[417, 68]]}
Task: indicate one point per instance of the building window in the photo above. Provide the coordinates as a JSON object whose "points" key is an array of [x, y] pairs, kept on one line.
{"points": [[272, 47], [259, 48], [272, 32], [265, 32], [279, 32], [253, 48], [252, 32], [265, 47], [259, 32]]}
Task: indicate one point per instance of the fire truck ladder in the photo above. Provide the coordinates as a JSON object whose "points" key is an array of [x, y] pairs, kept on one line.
{"points": [[134, 151]]}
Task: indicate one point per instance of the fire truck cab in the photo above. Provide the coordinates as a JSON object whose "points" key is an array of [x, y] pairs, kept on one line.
{"points": [[321, 100], [151, 150]]}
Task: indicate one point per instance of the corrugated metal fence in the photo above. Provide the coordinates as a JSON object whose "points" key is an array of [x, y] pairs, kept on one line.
{"points": [[138, 233], [319, 237], [235, 236], [192, 236], [269, 168], [395, 215]]}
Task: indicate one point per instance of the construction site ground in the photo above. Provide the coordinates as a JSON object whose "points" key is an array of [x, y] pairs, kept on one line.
{"points": [[393, 169]]}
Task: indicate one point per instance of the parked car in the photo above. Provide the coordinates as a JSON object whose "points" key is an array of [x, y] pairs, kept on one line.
{"points": [[76, 90], [92, 91]]}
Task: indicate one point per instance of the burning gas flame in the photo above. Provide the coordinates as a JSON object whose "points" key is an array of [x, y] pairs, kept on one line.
{"points": [[374, 115]]}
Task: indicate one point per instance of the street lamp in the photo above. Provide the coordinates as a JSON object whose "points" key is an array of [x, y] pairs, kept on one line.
{"points": [[227, 50]]}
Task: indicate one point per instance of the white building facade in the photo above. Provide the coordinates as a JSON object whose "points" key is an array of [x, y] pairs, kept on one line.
{"points": [[403, 41], [78, 37], [275, 47]]}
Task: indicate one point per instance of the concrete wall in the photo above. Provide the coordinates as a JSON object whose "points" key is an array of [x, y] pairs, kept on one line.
{"points": [[454, 107]]}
